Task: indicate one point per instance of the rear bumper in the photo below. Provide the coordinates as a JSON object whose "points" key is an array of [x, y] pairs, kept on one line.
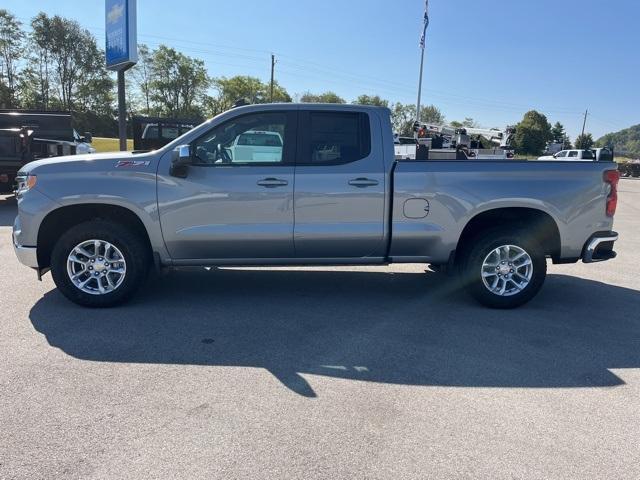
{"points": [[599, 247]]}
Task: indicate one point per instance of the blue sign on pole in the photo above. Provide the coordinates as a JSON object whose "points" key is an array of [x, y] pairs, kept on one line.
{"points": [[121, 49]]}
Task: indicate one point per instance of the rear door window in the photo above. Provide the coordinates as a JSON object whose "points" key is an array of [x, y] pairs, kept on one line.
{"points": [[334, 137]]}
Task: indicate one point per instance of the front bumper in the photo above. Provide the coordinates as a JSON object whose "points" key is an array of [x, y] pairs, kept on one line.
{"points": [[599, 247], [26, 255]]}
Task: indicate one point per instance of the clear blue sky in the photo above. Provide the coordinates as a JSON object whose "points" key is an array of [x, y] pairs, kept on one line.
{"points": [[491, 60]]}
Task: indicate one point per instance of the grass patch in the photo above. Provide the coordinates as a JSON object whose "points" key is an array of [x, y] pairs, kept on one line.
{"points": [[102, 144]]}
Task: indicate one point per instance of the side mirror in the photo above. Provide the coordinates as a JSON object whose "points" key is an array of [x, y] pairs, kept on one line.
{"points": [[180, 161], [87, 137]]}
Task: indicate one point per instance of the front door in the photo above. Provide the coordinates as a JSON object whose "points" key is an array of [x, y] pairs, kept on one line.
{"points": [[340, 186], [237, 198]]}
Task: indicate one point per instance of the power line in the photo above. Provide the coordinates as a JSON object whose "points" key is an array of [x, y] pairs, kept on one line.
{"points": [[305, 65], [302, 65]]}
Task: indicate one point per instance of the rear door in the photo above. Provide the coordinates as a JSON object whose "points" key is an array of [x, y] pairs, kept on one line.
{"points": [[339, 193]]}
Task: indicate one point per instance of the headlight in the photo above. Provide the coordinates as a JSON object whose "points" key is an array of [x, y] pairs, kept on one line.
{"points": [[25, 182]]}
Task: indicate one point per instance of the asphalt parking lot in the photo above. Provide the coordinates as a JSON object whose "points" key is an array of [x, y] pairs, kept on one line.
{"points": [[324, 373]]}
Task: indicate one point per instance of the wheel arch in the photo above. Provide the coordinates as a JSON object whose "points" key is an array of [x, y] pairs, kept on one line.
{"points": [[58, 221], [542, 226]]}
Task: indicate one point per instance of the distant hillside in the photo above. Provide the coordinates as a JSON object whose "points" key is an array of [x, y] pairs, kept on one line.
{"points": [[625, 142]]}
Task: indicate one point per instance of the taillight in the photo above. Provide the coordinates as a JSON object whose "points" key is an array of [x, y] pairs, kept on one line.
{"points": [[612, 177]]}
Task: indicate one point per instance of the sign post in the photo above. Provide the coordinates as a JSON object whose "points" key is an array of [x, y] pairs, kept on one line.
{"points": [[121, 51]]}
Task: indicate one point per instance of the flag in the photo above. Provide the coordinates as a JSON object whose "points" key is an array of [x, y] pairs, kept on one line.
{"points": [[426, 23]]}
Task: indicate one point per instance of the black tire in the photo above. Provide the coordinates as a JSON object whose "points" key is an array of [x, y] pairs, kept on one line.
{"points": [[134, 249], [481, 246]]}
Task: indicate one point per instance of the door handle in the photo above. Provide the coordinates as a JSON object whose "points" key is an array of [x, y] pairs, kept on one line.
{"points": [[272, 182], [363, 182]]}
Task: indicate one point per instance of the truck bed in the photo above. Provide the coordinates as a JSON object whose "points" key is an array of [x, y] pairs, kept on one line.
{"points": [[454, 192]]}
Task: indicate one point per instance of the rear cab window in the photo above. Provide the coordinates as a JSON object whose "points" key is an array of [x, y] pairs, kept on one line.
{"points": [[330, 138]]}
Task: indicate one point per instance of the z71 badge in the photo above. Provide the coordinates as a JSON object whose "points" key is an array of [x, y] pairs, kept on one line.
{"points": [[132, 163]]}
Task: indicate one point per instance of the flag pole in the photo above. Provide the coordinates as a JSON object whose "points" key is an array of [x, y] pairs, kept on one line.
{"points": [[422, 45]]}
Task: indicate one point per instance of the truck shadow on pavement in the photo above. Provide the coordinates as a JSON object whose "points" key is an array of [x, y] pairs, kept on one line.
{"points": [[398, 328]]}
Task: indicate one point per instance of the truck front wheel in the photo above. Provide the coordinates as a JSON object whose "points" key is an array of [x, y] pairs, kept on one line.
{"points": [[99, 263], [503, 269]]}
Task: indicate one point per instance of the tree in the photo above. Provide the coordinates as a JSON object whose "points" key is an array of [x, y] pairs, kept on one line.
{"points": [[371, 100], [558, 133], [179, 83], [36, 79], [625, 142], [95, 87], [532, 133], [251, 89], [403, 116], [584, 141], [467, 122], [326, 97], [67, 40], [68, 62], [141, 78], [11, 49]]}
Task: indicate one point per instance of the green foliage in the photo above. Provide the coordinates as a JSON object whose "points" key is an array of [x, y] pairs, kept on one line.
{"points": [[326, 97], [178, 83], [558, 133], [403, 117], [251, 89], [532, 133], [467, 122], [584, 141], [625, 142], [140, 78], [374, 100]]}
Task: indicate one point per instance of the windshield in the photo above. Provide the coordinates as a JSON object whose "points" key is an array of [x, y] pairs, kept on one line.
{"points": [[260, 140]]}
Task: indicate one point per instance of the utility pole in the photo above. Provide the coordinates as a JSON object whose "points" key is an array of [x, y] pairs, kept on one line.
{"points": [[422, 45], [584, 123], [273, 66]]}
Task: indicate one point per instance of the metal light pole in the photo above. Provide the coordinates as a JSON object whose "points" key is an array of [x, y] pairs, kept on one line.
{"points": [[422, 45], [122, 112]]}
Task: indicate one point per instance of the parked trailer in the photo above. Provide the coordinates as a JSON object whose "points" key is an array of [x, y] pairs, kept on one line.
{"points": [[27, 135], [151, 133], [629, 169]]}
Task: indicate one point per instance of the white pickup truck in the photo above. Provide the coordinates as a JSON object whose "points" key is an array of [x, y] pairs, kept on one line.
{"points": [[575, 155]]}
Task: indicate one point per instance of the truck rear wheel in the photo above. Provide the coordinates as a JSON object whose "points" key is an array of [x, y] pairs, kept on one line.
{"points": [[503, 269], [99, 263]]}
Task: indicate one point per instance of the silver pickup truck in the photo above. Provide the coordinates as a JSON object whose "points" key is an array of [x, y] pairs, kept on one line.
{"points": [[332, 194]]}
